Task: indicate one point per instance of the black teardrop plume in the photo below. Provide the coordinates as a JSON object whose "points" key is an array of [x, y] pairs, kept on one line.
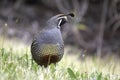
{"points": [[71, 14]]}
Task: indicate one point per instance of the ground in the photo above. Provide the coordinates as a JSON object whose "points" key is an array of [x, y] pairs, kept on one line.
{"points": [[16, 64]]}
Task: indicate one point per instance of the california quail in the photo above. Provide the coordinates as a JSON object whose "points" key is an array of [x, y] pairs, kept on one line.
{"points": [[48, 46]]}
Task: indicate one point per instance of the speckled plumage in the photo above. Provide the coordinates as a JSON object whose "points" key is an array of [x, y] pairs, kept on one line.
{"points": [[47, 43], [48, 46]]}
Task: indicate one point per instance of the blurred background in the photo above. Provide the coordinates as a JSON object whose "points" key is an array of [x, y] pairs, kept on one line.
{"points": [[95, 30]]}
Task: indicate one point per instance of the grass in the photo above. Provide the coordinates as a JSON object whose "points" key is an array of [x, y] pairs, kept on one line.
{"points": [[16, 64]]}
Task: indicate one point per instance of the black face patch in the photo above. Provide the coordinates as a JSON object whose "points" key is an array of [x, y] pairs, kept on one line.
{"points": [[61, 21]]}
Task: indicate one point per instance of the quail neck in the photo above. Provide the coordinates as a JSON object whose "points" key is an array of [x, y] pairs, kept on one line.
{"points": [[52, 35]]}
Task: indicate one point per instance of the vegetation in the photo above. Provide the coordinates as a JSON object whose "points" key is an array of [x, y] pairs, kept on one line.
{"points": [[16, 64]]}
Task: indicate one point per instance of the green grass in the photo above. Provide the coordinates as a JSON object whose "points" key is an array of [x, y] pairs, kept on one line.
{"points": [[16, 64]]}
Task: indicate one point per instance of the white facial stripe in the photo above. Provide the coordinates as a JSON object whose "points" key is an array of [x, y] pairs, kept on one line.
{"points": [[59, 22]]}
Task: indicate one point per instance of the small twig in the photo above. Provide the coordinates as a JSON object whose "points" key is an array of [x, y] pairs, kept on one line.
{"points": [[112, 20], [116, 26], [102, 26]]}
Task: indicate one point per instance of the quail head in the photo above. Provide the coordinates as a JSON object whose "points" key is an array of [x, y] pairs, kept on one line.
{"points": [[48, 46]]}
